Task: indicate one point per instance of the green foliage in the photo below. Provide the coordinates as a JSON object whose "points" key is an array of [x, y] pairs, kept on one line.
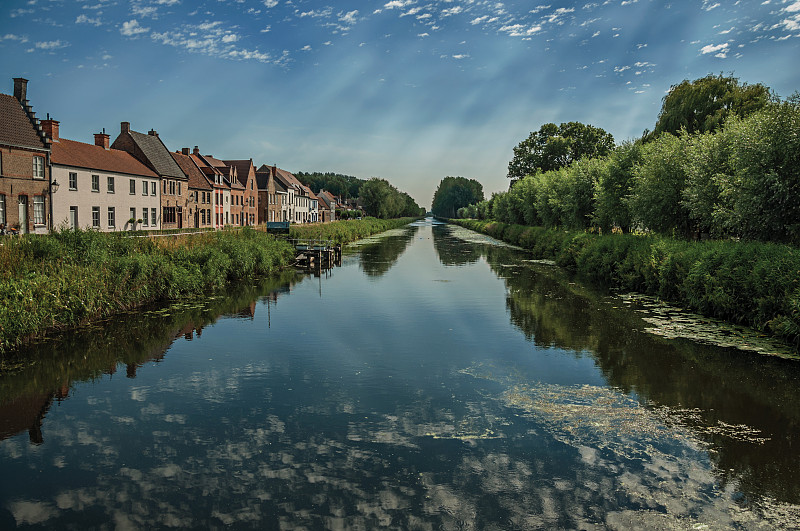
{"points": [[752, 283], [382, 200], [347, 231], [613, 185], [704, 104], [553, 147], [658, 183], [454, 193], [345, 186], [68, 277]]}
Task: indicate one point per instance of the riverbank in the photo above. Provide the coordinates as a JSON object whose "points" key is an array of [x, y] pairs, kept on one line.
{"points": [[69, 278], [749, 283]]}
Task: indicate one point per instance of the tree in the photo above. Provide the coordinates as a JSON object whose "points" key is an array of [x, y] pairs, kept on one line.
{"points": [[556, 146], [454, 193], [702, 105]]}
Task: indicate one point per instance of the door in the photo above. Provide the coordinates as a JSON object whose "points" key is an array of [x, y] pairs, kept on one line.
{"points": [[23, 214], [180, 217]]}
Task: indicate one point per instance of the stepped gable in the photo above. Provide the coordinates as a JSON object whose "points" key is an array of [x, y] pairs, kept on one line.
{"points": [[90, 156], [16, 127], [242, 169]]}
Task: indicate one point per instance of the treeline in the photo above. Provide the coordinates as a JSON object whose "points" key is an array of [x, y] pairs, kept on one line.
{"points": [[344, 186], [740, 180], [454, 193], [378, 197]]}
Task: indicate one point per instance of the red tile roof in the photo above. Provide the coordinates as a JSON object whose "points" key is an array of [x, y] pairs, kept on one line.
{"points": [[15, 127], [197, 180], [79, 155]]}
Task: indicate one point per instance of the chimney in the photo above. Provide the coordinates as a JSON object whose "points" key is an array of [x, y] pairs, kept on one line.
{"points": [[185, 151], [101, 139], [21, 89], [274, 171], [50, 128], [196, 151], [152, 132], [124, 127]]}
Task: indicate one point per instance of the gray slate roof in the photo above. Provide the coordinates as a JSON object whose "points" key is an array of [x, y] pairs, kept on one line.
{"points": [[158, 155], [15, 127]]}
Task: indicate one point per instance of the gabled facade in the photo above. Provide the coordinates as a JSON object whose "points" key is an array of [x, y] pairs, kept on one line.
{"points": [[327, 206], [201, 192], [151, 151], [25, 180], [216, 172], [99, 187], [246, 176], [269, 207]]}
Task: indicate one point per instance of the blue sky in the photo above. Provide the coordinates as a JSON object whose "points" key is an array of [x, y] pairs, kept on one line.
{"points": [[408, 90]]}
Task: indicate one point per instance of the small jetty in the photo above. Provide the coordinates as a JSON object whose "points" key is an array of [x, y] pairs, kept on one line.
{"points": [[317, 254]]}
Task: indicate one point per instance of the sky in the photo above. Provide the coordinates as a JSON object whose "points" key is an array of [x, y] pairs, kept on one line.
{"points": [[410, 91]]}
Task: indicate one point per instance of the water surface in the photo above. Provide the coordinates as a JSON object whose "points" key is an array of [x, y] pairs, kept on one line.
{"points": [[436, 380]]}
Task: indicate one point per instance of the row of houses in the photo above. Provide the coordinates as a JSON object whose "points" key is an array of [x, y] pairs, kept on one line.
{"points": [[134, 182]]}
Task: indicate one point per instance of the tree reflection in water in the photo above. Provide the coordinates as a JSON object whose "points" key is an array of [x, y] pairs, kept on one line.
{"points": [[379, 256], [745, 406]]}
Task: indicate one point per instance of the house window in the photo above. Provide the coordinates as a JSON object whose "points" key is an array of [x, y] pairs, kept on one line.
{"points": [[73, 217], [96, 217], [38, 167], [2, 209], [38, 210], [144, 214], [153, 221], [144, 187], [179, 188], [172, 188], [73, 180], [133, 186], [133, 214], [112, 215], [168, 215], [95, 183], [164, 191], [153, 188], [110, 185]]}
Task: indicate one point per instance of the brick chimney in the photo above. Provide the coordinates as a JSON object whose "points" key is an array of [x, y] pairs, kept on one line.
{"points": [[21, 89], [196, 151], [124, 127], [152, 132], [101, 139], [50, 128], [185, 151]]}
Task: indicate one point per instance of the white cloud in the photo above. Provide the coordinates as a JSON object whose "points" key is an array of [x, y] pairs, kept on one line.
{"points": [[144, 11], [452, 11], [230, 37], [792, 8], [132, 28], [51, 45], [719, 50], [317, 13], [12, 37], [412, 11], [349, 18], [398, 4], [270, 3], [461, 56], [83, 19]]}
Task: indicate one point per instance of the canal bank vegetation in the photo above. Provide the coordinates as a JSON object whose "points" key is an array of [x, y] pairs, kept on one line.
{"points": [[703, 211], [72, 277]]}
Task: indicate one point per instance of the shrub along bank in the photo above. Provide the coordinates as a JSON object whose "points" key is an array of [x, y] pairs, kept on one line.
{"points": [[751, 283]]}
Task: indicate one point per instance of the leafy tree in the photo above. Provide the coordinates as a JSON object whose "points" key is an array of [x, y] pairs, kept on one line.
{"points": [[613, 185], [702, 105], [454, 193], [556, 146], [345, 186], [658, 183], [382, 200]]}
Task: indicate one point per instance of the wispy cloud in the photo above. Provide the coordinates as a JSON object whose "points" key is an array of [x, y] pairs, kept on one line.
{"points": [[132, 28]]}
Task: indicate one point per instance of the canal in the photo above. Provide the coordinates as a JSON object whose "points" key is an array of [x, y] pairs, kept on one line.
{"points": [[436, 380]]}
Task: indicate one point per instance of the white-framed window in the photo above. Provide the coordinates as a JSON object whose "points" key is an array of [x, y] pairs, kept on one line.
{"points": [[133, 186], [110, 181], [38, 210], [133, 214], [73, 180], [172, 188], [153, 220], [38, 167], [144, 188], [144, 215], [2, 209], [112, 217], [153, 187], [73, 217], [95, 183], [96, 217], [179, 188]]}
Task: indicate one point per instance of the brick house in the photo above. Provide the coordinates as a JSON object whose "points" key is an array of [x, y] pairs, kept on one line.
{"points": [[201, 191], [99, 187], [245, 172], [269, 207], [219, 182], [151, 151], [25, 180]]}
